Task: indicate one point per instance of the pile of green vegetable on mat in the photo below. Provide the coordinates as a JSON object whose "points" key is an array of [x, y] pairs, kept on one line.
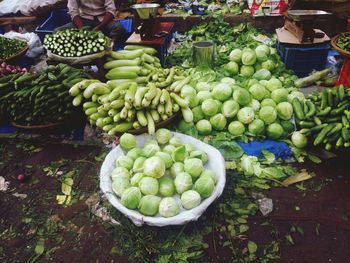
{"points": [[344, 41], [38, 99], [254, 103], [324, 117], [10, 47], [76, 43], [148, 178], [131, 101]]}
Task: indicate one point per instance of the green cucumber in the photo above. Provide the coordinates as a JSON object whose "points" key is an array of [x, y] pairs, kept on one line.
{"points": [[298, 109], [323, 133]]}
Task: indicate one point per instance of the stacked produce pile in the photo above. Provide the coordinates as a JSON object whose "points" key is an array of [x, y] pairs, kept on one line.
{"points": [[76, 43], [10, 47], [165, 170], [6, 69], [256, 103], [325, 117], [36, 99], [139, 64], [344, 41], [140, 94]]}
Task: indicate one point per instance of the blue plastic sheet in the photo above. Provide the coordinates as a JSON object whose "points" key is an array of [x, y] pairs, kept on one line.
{"points": [[279, 149]]}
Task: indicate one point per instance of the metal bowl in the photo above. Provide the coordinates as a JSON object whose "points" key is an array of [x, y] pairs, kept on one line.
{"points": [[146, 11]]}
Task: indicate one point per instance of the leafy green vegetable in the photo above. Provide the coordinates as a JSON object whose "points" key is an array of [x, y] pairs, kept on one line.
{"points": [[229, 149]]}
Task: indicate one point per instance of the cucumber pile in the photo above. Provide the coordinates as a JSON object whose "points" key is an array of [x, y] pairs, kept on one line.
{"points": [[38, 99], [76, 43], [325, 117], [138, 64], [119, 107]]}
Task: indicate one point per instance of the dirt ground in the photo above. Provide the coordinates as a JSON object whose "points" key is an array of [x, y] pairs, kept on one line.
{"points": [[35, 228]]}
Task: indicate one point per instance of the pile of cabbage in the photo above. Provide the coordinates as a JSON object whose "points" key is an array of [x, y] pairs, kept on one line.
{"points": [[162, 178], [259, 63], [253, 103]]}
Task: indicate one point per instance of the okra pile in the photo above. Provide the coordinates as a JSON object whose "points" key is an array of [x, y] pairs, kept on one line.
{"points": [[37, 99], [10, 47], [344, 41], [76, 43], [325, 117]]}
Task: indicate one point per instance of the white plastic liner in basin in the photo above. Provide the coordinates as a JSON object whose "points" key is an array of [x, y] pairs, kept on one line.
{"points": [[215, 162]]}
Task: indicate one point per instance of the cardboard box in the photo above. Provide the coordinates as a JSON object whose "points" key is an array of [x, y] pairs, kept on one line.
{"points": [[285, 36]]}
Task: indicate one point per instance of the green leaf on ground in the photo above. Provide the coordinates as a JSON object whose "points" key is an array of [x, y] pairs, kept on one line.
{"points": [[252, 247]]}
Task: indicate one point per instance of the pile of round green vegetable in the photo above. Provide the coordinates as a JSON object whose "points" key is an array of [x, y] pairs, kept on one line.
{"points": [[163, 176], [255, 105]]}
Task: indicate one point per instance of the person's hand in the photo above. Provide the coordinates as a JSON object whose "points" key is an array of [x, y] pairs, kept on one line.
{"points": [[78, 22]]}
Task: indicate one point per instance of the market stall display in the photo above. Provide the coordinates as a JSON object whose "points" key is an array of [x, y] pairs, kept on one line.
{"points": [[240, 112], [255, 101], [39, 99], [324, 117], [139, 94], [76, 43], [170, 178], [11, 48], [77, 47]]}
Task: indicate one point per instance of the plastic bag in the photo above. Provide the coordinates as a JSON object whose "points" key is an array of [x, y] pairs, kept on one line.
{"points": [[33, 41], [216, 163], [26, 8]]}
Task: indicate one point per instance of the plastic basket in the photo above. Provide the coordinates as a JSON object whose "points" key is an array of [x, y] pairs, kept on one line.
{"points": [[304, 59], [127, 24], [129, 29], [56, 19]]}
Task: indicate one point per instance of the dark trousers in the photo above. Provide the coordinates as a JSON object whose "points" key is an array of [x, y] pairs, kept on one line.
{"points": [[113, 29]]}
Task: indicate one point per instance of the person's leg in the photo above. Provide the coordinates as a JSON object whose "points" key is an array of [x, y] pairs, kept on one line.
{"points": [[90, 23], [116, 32]]}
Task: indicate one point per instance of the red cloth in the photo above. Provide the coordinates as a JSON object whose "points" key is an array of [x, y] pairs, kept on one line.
{"points": [[344, 76]]}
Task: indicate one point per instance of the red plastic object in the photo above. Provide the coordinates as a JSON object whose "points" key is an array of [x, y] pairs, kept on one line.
{"points": [[344, 76]]}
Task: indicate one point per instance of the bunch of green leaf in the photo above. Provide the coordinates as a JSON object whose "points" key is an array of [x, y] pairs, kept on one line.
{"points": [[235, 9], [224, 36], [266, 171]]}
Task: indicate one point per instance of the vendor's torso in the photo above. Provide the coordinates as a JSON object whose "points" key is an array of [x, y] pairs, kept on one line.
{"points": [[90, 9]]}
